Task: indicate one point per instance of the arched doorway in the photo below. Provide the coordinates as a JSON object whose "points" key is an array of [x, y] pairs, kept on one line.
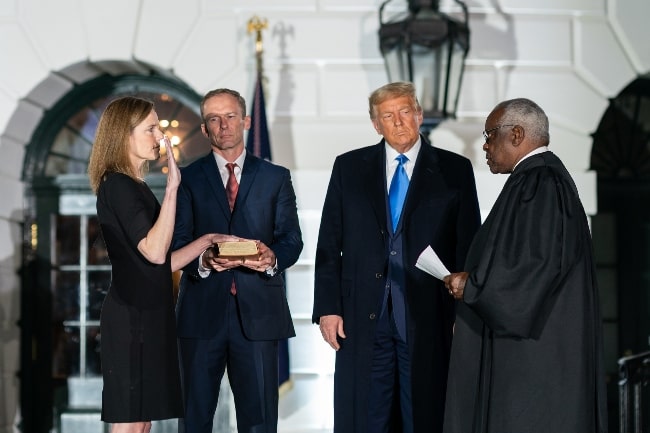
{"points": [[65, 272], [621, 229]]}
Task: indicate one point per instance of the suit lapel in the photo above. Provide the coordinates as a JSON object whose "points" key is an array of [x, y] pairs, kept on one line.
{"points": [[251, 166], [213, 178], [373, 173], [426, 179]]}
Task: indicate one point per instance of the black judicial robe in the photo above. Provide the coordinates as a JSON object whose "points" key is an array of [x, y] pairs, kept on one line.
{"points": [[527, 348]]}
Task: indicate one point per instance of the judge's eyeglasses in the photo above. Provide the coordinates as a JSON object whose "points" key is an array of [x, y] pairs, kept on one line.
{"points": [[487, 133]]}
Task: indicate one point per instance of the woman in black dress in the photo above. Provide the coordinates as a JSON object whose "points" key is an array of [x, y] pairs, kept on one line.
{"points": [[138, 332]]}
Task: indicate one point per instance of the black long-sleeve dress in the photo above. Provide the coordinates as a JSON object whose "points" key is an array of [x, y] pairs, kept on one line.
{"points": [[138, 331]]}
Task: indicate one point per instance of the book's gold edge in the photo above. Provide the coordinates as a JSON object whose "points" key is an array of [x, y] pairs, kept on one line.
{"points": [[241, 249]]}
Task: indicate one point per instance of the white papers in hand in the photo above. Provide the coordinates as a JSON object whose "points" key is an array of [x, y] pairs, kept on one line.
{"points": [[430, 263]]}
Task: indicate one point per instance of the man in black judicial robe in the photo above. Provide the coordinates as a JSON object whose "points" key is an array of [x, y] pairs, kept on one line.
{"points": [[527, 348]]}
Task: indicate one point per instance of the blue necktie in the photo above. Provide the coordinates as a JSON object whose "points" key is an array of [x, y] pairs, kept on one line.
{"points": [[397, 192]]}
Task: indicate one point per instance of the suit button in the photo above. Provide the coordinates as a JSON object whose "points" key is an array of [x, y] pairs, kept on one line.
{"points": [[372, 316], [378, 275]]}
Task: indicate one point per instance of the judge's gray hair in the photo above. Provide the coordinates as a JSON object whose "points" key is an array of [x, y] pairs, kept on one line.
{"points": [[527, 114]]}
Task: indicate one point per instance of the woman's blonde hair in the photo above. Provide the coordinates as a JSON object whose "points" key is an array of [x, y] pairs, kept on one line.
{"points": [[110, 152]]}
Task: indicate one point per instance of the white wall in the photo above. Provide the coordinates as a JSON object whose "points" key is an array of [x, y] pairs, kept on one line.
{"points": [[322, 61]]}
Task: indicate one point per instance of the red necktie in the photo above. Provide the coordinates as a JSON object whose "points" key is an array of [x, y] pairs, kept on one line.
{"points": [[231, 191], [231, 186]]}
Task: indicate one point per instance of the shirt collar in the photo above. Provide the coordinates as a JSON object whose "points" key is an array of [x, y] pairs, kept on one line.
{"points": [[536, 151], [411, 154], [221, 161]]}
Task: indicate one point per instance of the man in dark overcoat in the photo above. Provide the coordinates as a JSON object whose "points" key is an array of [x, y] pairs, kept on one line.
{"points": [[391, 323]]}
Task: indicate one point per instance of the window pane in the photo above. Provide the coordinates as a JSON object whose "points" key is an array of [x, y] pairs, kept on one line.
{"points": [[65, 303], [69, 153], [66, 352], [67, 240], [93, 361], [98, 283], [97, 254], [71, 147]]}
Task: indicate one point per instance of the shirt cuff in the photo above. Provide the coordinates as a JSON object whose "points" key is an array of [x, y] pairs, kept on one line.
{"points": [[272, 270], [203, 271]]}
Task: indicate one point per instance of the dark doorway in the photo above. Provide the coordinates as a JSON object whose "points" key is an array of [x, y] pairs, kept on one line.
{"points": [[621, 229]]}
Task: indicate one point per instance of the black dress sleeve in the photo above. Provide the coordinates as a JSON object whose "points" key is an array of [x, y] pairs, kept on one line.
{"points": [[128, 201]]}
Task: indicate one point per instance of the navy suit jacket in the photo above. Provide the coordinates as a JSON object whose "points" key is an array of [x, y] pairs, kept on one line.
{"points": [[265, 210], [441, 210]]}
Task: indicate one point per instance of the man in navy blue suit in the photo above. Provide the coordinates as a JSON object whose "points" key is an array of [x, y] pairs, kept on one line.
{"points": [[391, 323], [231, 313]]}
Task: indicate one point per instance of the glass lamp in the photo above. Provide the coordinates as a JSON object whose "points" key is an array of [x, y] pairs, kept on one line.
{"points": [[428, 48]]}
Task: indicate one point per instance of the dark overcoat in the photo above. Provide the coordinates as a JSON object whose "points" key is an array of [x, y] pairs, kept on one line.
{"points": [[441, 210]]}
